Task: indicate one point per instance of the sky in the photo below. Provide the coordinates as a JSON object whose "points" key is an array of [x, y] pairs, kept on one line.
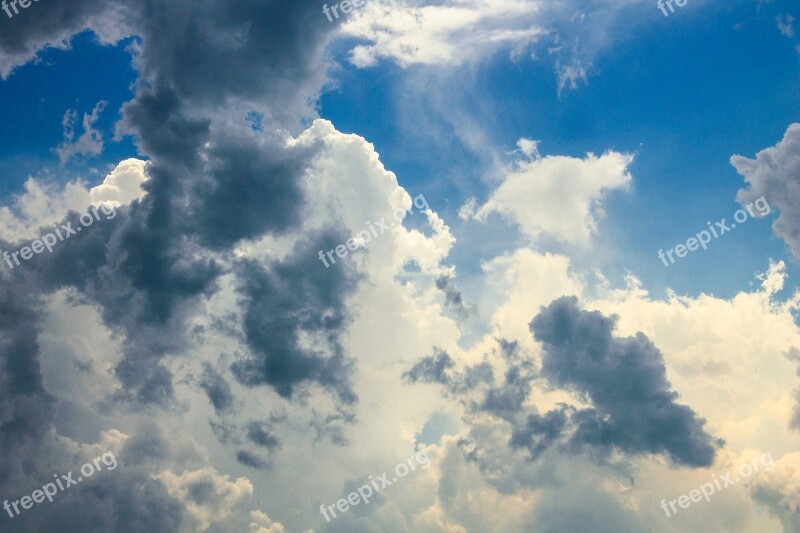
{"points": [[399, 266]]}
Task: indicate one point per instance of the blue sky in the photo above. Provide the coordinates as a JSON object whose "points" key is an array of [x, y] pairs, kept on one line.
{"points": [[522, 334], [682, 93], [670, 86]]}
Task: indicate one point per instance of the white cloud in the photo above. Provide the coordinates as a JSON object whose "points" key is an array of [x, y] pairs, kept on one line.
{"points": [[209, 497], [89, 143], [43, 204], [468, 31], [569, 76], [262, 523], [123, 185], [558, 196], [452, 33]]}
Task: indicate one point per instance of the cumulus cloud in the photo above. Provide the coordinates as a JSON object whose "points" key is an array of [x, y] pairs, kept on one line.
{"points": [[208, 496], [779, 490], [203, 303], [43, 204], [123, 185], [557, 196], [633, 408], [774, 174], [262, 523]]}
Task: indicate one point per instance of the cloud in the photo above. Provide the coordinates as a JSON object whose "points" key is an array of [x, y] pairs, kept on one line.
{"points": [[208, 496], [569, 76], [89, 143], [437, 368], [773, 174], [558, 196], [22, 38], [466, 32], [631, 410], [262, 523], [633, 407], [123, 185], [252, 460], [785, 24], [453, 297], [793, 354], [211, 182], [779, 490], [217, 389], [540, 432], [211, 264], [442, 33], [43, 204], [288, 307]]}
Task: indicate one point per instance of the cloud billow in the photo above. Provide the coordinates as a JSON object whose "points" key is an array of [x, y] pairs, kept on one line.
{"points": [[633, 408], [284, 303], [212, 183], [775, 175]]}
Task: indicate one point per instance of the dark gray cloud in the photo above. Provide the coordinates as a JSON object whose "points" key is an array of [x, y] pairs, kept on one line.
{"points": [[453, 297], [285, 302], [126, 498], [775, 175], [119, 500], [504, 400], [262, 434], [54, 23], [507, 400], [26, 408], [431, 369], [438, 368], [540, 432], [217, 389], [203, 67], [633, 408], [213, 180], [251, 459]]}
